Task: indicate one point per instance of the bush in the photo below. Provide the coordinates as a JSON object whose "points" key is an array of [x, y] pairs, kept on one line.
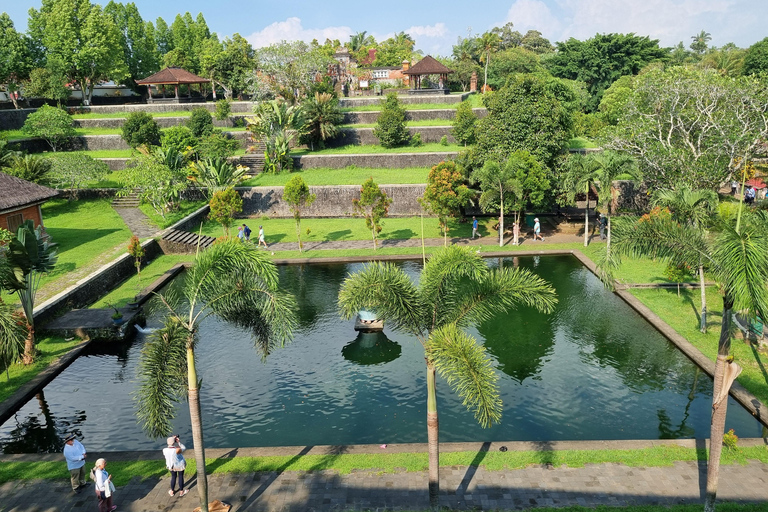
{"points": [[415, 140], [140, 129], [390, 125], [179, 138], [223, 109], [50, 124], [444, 140], [588, 125], [200, 122], [29, 167], [225, 205], [75, 170], [217, 145], [464, 124]]}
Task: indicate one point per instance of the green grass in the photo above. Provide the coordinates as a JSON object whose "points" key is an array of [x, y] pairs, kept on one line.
{"points": [[347, 176], [581, 143], [185, 208], [97, 153], [682, 314], [50, 348], [423, 122], [433, 147]]}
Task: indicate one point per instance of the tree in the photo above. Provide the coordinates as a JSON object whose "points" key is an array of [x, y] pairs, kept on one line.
{"points": [[136, 251], [728, 60], [75, 170], [533, 41], [445, 194], [51, 124], [615, 98], [693, 208], [180, 138], [489, 43], [32, 168], [390, 124], [216, 174], [373, 206], [225, 205], [608, 166], [601, 60], [396, 49], [229, 63], [287, 67], [275, 123], [141, 129], [756, 58], [456, 289], [322, 118], [16, 59], [691, 127], [48, 83], [235, 282], [296, 193], [464, 124], [513, 60], [137, 39], [580, 176], [699, 42], [156, 182], [200, 122], [216, 145], [29, 255]]}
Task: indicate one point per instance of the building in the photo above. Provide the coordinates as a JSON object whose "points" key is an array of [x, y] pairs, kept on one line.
{"points": [[20, 200]]}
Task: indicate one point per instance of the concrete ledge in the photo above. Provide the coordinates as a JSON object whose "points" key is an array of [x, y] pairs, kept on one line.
{"points": [[365, 136], [382, 160]]}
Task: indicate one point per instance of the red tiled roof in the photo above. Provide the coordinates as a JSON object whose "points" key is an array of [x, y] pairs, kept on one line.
{"points": [[173, 76], [428, 66], [15, 192], [756, 182]]}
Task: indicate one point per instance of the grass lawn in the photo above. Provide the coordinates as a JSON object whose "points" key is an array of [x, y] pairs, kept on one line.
{"points": [[581, 143], [109, 153], [185, 208], [88, 234], [348, 176], [433, 147], [423, 122]]}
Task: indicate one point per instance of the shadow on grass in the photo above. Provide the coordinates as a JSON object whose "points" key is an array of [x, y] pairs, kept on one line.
{"points": [[399, 234], [472, 469], [759, 362], [69, 238], [344, 234]]}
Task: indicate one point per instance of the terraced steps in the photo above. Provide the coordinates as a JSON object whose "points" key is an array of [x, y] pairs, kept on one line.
{"points": [[129, 201], [184, 241]]}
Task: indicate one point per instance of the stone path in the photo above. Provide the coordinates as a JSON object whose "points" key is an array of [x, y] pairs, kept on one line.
{"points": [[137, 222]]}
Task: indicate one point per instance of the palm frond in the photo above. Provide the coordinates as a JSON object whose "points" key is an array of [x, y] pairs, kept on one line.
{"points": [[464, 364], [162, 378]]}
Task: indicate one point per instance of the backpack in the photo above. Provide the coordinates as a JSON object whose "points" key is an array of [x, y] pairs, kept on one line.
{"points": [[247, 231]]}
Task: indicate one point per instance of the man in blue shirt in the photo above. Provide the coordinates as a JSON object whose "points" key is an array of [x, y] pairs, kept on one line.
{"points": [[74, 453], [474, 227]]}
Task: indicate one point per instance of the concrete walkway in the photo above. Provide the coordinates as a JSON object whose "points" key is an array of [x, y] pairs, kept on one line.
{"points": [[137, 222]]}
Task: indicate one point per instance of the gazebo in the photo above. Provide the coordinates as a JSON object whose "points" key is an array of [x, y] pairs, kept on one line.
{"points": [[427, 66], [175, 77]]}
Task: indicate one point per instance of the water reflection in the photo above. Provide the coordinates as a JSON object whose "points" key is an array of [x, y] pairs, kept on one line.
{"points": [[40, 433], [370, 348]]}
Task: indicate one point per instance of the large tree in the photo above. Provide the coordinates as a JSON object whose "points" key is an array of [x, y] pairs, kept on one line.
{"points": [[16, 57], [756, 58], [137, 39], [691, 127], [601, 60], [456, 289], [235, 282], [445, 194], [288, 69], [229, 63]]}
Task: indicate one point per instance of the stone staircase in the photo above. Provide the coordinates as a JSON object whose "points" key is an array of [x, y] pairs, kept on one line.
{"points": [[184, 242], [129, 201], [254, 160]]}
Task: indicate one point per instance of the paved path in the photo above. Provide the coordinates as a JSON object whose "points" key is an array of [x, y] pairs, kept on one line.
{"points": [[137, 222], [461, 488]]}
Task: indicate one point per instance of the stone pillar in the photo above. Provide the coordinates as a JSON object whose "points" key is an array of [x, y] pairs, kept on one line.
{"points": [[176, 89], [473, 82], [406, 67]]}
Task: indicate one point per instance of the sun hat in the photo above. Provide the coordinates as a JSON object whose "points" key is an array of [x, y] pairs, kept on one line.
{"points": [[171, 440], [70, 437], [536, 219]]}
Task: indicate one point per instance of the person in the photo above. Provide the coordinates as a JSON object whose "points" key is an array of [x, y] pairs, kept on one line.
{"points": [[734, 186], [516, 233], [603, 222], [246, 233], [261, 237], [74, 453], [474, 227], [240, 233], [749, 195], [537, 230], [174, 461], [104, 486]]}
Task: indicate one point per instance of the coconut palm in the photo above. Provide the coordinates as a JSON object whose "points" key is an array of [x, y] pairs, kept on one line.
{"points": [[737, 258], [693, 208], [581, 173], [608, 166], [488, 43], [456, 289], [322, 118], [235, 282]]}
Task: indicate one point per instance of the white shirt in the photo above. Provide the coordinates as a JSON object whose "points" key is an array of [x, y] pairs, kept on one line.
{"points": [[174, 461], [75, 455]]}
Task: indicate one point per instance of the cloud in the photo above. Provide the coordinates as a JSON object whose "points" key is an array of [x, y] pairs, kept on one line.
{"points": [[292, 30], [533, 15], [436, 30]]}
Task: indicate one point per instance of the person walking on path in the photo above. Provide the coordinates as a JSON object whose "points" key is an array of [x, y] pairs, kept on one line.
{"points": [[261, 237], [603, 223], [537, 230], [516, 233], [246, 233], [104, 486], [474, 227], [74, 453], [174, 461], [240, 233]]}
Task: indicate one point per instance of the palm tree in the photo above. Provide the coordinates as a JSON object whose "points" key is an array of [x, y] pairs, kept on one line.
{"points": [[489, 43], [608, 166], [693, 208], [737, 257], [360, 39], [456, 289], [322, 118], [495, 181], [581, 174], [235, 282], [699, 42], [216, 174]]}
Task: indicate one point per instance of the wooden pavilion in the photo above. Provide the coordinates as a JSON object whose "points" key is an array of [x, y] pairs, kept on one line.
{"points": [[174, 77], [428, 66]]}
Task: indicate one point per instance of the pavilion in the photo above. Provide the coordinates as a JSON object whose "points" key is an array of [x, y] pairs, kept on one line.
{"points": [[176, 77], [428, 66]]}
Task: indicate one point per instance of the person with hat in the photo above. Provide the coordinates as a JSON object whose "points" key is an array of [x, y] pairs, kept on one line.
{"points": [[176, 464], [74, 453], [261, 237], [537, 230]]}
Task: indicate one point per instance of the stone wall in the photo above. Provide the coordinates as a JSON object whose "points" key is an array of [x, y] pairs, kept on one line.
{"points": [[332, 201], [383, 160], [96, 142], [411, 115], [14, 119], [404, 99], [163, 122], [237, 107], [631, 197], [365, 136]]}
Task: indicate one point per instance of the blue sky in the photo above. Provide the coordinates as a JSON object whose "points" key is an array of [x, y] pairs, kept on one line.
{"points": [[436, 25]]}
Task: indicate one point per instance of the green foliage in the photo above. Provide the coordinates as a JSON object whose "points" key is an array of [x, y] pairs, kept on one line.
{"points": [[296, 193], [396, 49], [756, 59], [615, 99], [158, 184], [517, 184], [137, 39], [217, 145], [223, 109], [200, 122], [179, 138], [677, 274], [588, 125], [50, 124], [74, 170], [390, 124], [136, 251], [373, 206], [141, 129], [13, 333], [416, 140], [444, 140], [731, 440], [275, 123], [322, 118], [225, 206], [16, 55], [288, 67], [29, 167], [216, 174], [445, 193], [47, 83], [464, 124], [511, 61]]}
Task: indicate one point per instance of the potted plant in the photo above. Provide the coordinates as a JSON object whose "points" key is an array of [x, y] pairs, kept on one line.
{"points": [[117, 316]]}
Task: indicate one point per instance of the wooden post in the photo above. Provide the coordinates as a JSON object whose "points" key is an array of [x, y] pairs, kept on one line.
{"points": [[176, 90]]}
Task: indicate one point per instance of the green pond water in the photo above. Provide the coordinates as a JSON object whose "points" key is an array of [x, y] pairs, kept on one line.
{"points": [[593, 369]]}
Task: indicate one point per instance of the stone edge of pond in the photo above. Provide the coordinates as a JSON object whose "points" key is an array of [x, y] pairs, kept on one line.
{"points": [[415, 257], [368, 449]]}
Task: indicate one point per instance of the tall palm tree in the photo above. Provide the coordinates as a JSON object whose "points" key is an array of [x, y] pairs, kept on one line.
{"points": [[694, 208], [456, 289], [235, 282], [699, 42], [737, 257], [489, 43], [360, 39], [581, 173], [322, 118], [608, 166]]}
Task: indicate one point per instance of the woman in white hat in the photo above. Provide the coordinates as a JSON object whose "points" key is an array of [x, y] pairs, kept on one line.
{"points": [[104, 486], [176, 464], [537, 230]]}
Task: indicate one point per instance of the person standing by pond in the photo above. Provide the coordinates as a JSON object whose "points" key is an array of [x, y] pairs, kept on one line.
{"points": [[261, 237], [74, 453], [104, 486], [174, 461], [537, 230]]}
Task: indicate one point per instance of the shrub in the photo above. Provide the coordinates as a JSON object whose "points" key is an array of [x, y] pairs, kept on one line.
{"points": [[29, 167], [217, 145], [140, 129], [225, 205], [415, 140], [322, 118], [200, 122], [464, 124], [390, 125], [50, 124], [444, 140], [223, 109], [74, 170], [445, 194], [179, 138], [731, 440]]}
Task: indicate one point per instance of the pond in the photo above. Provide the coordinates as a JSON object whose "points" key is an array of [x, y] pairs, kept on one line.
{"points": [[591, 370]]}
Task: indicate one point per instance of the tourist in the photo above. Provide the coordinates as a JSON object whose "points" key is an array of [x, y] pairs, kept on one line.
{"points": [[246, 233], [474, 227], [74, 453], [734, 186], [261, 237], [537, 230], [516, 233], [749, 195], [104, 486], [241, 233], [603, 223], [176, 464]]}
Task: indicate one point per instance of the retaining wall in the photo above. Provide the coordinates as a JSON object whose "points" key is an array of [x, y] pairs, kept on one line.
{"points": [[404, 98], [96, 142], [410, 115], [383, 160], [163, 122], [365, 136], [332, 201]]}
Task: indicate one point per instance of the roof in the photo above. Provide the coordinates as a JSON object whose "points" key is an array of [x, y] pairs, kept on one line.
{"points": [[173, 76], [15, 192], [756, 182], [428, 66]]}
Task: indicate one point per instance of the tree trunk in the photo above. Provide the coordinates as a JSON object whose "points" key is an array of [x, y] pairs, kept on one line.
{"points": [[703, 321], [373, 234], [298, 232], [608, 241], [717, 427], [29, 346], [485, 77], [586, 219], [197, 429], [501, 223], [432, 438]]}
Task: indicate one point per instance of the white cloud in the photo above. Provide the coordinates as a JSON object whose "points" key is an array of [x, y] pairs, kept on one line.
{"points": [[533, 15], [292, 30], [436, 30]]}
